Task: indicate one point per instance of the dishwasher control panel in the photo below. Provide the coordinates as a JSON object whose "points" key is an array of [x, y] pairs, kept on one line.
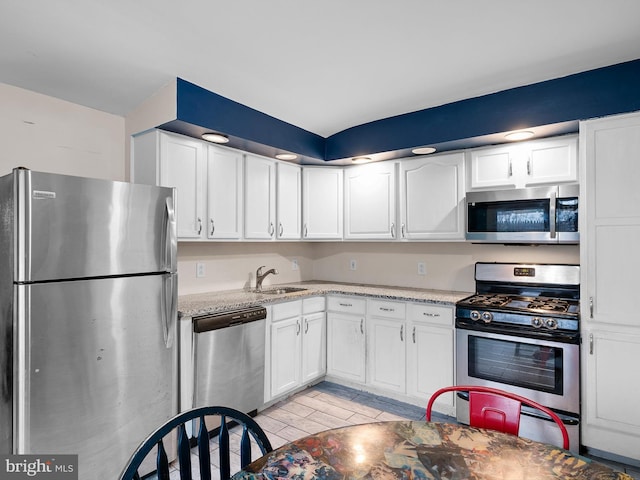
{"points": [[215, 321]]}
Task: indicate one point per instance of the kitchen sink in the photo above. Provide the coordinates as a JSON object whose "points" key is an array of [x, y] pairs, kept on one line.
{"points": [[280, 290]]}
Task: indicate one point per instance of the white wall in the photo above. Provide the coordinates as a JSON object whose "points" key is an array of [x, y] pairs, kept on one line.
{"points": [[449, 266], [50, 135]]}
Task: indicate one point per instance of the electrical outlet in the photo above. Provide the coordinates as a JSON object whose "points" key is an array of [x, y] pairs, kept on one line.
{"points": [[352, 264], [294, 264], [200, 270], [422, 268]]}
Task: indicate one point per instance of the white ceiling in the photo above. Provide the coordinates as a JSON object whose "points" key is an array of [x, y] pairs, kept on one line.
{"points": [[322, 65]]}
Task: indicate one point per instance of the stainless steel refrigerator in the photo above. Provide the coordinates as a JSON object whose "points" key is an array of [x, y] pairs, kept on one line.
{"points": [[88, 299]]}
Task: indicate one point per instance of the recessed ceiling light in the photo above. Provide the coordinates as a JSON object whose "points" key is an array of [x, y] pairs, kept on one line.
{"points": [[514, 136], [423, 150], [215, 137], [286, 156], [360, 159]]}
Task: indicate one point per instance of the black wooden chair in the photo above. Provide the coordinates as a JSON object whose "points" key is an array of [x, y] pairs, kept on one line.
{"points": [[250, 429]]}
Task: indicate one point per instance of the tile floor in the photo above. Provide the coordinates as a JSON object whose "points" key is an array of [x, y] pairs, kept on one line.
{"points": [[326, 406]]}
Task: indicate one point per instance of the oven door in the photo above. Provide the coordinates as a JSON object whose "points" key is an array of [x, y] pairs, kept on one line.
{"points": [[543, 370]]}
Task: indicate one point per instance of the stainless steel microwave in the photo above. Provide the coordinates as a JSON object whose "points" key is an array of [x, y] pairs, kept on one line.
{"points": [[526, 215]]}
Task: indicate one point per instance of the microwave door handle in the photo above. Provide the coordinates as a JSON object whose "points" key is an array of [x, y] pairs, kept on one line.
{"points": [[552, 214]]}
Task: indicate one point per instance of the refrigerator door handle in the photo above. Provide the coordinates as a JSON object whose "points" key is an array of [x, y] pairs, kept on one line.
{"points": [[171, 241], [169, 308]]}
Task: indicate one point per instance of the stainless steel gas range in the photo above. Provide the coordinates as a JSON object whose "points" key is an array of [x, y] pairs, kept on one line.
{"points": [[520, 332]]}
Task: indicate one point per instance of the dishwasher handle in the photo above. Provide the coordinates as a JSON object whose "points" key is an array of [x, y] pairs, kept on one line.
{"points": [[216, 321]]}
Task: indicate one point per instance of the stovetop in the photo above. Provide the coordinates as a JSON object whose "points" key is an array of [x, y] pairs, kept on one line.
{"points": [[538, 312]]}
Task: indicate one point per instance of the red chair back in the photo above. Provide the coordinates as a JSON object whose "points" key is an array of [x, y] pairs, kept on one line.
{"points": [[496, 409]]}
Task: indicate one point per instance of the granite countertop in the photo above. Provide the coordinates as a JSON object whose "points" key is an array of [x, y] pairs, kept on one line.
{"points": [[220, 301]]}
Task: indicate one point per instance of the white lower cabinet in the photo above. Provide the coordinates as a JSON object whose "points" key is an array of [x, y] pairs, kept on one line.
{"points": [[346, 338], [430, 353], [297, 344], [386, 345]]}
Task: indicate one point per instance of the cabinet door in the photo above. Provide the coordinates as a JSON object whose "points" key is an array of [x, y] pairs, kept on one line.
{"points": [[345, 346], [386, 353], [285, 355], [370, 201], [432, 194], [430, 360], [289, 201], [260, 198], [224, 193], [491, 167], [182, 165], [611, 415], [314, 346], [322, 203], [552, 161]]}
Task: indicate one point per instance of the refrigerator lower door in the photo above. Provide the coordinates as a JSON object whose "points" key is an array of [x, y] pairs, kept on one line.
{"points": [[97, 369]]}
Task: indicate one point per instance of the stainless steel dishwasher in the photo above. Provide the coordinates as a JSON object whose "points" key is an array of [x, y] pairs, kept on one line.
{"points": [[229, 351]]}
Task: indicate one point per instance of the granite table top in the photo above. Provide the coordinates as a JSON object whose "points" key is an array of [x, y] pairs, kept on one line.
{"points": [[220, 301], [407, 450]]}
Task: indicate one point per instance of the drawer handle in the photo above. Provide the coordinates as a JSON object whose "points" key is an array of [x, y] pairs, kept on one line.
{"points": [[387, 309], [346, 304], [297, 327], [413, 335], [306, 325], [401, 333], [362, 326], [427, 314], [213, 227], [199, 223]]}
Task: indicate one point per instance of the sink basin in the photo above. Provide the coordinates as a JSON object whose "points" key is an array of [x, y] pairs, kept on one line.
{"points": [[280, 291]]}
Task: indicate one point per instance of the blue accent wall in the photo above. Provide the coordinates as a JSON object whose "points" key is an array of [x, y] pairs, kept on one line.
{"points": [[594, 93], [590, 94]]}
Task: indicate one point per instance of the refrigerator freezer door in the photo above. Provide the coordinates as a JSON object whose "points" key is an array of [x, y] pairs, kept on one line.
{"points": [[97, 374], [73, 227]]}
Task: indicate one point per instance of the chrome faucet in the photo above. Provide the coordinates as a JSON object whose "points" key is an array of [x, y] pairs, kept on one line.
{"points": [[261, 276]]}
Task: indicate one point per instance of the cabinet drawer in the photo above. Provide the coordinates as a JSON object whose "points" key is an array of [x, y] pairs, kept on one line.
{"points": [[387, 309], [436, 314], [280, 311], [356, 306], [313, 304]]}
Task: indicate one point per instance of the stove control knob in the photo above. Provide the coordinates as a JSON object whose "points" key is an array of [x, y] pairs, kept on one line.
{"points": [[551, 323], [536, 322], [487, 317], [475, 315]]}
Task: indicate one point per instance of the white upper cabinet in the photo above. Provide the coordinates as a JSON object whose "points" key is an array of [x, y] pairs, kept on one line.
{"points": [[370, 201], [169, 160], [610, 262], [259, 198], [432, 194], [518, 165], [288, 201], [224, 193], [322, 203]]}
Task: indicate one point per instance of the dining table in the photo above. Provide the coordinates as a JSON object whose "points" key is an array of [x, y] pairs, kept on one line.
{"points": [[422, 450]]}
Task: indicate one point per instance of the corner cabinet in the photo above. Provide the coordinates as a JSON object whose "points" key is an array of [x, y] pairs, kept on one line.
{"points": [[524, 164], [432, 192], [610, 262], [370, 201], [322, 203], [168, 160]]}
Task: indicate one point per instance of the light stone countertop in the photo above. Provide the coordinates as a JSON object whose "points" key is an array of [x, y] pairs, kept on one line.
{"points": [[220, 301]]}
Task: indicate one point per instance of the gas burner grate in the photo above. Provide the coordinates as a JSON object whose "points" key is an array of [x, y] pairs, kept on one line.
{"points": [[556, 305], [489, 300]]}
